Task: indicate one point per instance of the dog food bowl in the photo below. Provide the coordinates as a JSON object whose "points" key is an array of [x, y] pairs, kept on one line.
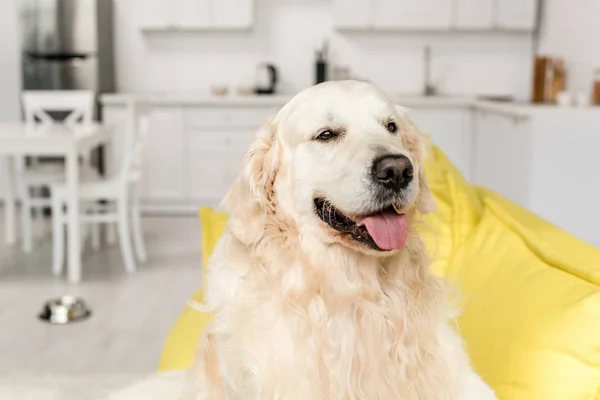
{"points": [[65, 310]]}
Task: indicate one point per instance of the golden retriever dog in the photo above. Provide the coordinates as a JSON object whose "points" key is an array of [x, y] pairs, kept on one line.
{"points": [[320, 288]]}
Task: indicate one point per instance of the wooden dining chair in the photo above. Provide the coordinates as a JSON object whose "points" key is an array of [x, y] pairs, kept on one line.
{"points": [[78, 105], [120, 192]]}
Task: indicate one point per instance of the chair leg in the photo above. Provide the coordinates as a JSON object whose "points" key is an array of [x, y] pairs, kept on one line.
{"points": [[111, 232], [138, 234], [95, 232], [38, 223], [125, 237], [58, 238], [84, 231], [26, 222]]}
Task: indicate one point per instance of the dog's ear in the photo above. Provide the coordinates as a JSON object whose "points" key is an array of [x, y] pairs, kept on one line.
{"points": [[417, 145], [425, 201], [252, 194]]}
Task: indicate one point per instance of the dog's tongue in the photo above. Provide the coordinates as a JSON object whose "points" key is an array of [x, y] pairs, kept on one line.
{"points": [[388, 229]]}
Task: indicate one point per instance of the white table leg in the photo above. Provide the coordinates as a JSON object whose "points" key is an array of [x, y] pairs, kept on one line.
{"points": [[74, 229], [9, 199]]}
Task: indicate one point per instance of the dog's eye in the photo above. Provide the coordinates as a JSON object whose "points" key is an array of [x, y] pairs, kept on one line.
{"points": [[391, 126], [326, 136]]}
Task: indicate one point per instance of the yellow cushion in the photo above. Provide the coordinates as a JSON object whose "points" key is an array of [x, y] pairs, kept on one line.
{"points": [[183, 338], [531, 305], [458, 210]]}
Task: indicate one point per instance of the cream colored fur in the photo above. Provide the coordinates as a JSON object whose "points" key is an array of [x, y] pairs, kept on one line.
{"points": [[300, 312]]}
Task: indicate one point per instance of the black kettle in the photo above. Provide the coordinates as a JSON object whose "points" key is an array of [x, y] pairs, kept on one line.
{"points": [[266, 79]]}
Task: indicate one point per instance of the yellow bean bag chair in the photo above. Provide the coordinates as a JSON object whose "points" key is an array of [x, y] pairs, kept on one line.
{"points": [[531, 296]]}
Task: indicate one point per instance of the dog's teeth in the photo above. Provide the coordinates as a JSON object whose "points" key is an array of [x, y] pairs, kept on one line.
{"points": [[397, 209]]}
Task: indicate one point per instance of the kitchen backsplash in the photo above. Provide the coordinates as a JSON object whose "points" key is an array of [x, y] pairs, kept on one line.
{"points": [[286, 33]]}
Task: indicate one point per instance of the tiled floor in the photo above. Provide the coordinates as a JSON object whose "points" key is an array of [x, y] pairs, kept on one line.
{"points": [[131, 314]]}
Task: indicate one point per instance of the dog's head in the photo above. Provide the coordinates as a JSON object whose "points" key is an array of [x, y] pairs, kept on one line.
{"points": [[341, 163]]}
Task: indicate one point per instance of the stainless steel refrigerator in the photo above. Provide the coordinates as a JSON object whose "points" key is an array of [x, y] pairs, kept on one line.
{"points": [[67, 44]]}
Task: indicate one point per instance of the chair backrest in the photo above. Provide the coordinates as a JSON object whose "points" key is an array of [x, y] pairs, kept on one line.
{"points": [[137, 128], [78, 104]]}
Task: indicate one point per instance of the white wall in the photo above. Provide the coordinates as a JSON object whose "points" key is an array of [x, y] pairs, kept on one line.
{"points": [[288, 31], [571, 29], [10, 76]]}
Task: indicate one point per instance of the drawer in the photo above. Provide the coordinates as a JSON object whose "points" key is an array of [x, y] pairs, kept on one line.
{"points": [[211, 173], [226, 117], [215, 139]]}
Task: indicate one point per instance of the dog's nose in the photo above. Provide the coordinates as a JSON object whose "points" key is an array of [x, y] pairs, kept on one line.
{"points": [[393, 171]]}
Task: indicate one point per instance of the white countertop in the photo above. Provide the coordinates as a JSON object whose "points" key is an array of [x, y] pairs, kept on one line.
{"points": [[268, 100], [513, 109]]}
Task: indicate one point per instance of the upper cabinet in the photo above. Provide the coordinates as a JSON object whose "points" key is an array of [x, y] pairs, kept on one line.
{"points": [[474, 14], [516, 14], [352, 14], [191, 13], [195, 14], [155, 14], [411, 14], [232, 13], [444, 15]]}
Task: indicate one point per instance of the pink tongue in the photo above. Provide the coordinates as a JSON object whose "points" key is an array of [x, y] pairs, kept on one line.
{"points": [[388, 229]]}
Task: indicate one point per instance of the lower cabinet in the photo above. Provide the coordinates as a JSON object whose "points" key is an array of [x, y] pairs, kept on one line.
{"points": [[502, 154], [164, 169], [214, 159], [194, 153], [450, 129]]}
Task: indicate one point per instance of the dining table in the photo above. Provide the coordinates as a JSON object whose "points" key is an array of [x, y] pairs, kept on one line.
{"points": [[18, 139]]}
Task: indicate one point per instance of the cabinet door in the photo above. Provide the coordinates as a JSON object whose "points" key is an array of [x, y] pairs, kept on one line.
{"points": [[516, 14], [474, 14], [450, 130], [163, 171], [191, 13], [502, 152], [154, 14], [411, 14], [214, 160], [238, 14], [352, 14]]}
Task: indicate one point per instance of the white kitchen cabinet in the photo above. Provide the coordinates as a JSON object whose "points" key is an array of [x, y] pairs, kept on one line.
{"points": [[352, 14], [411, 14], [195, 14], [154, 14], [195, 151], [450, 129], [214, 160], [164, 165], [232, 13], [191, 13], [474, 14], [544, 161], [501, 148], [217, 138], [516, 14]]}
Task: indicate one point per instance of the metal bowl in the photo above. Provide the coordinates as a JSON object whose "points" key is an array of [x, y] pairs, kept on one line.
{"points": [[65, 310]]}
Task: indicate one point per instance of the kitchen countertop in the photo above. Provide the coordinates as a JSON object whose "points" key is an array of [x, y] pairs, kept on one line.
{"points": [[268, 100], [512, 109]]}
